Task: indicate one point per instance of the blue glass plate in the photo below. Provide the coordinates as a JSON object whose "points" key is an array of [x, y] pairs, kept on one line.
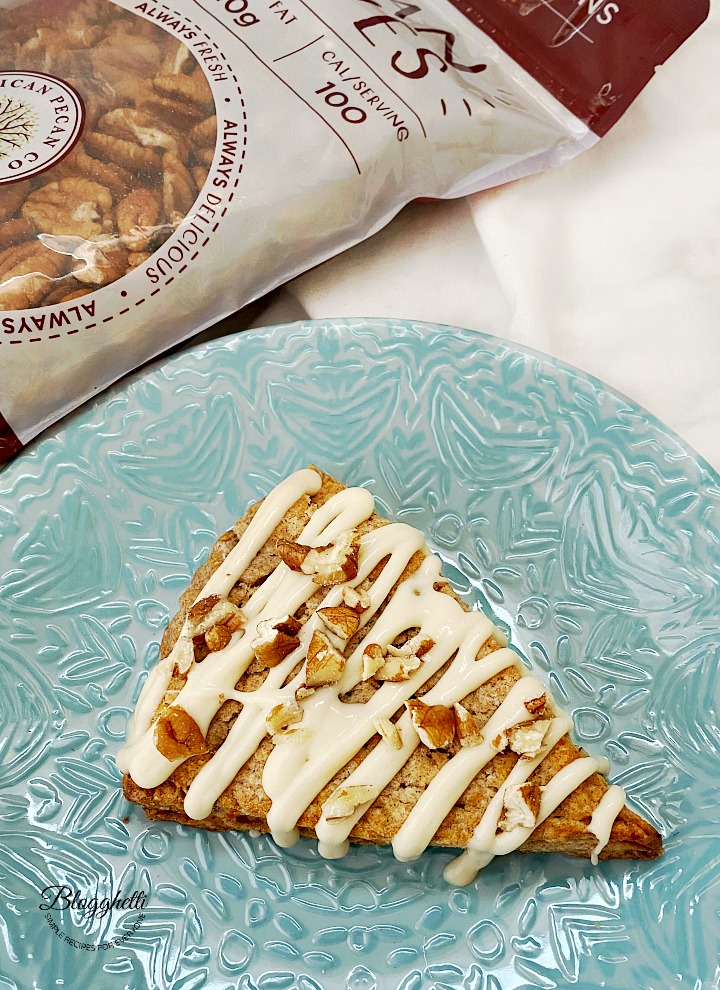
{"points": [[586, 527]]}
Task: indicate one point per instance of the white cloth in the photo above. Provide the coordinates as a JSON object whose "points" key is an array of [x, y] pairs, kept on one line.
{"points": [[610, 263]]}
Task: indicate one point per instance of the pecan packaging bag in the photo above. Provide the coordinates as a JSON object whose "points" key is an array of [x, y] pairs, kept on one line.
{"points": [[162, 164]]}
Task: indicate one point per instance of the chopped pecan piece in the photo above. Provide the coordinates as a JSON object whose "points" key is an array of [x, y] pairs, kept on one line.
{"points": [[435, 724], [217, 638], [292, 554], [335, 563], [345, 800], [324, 664], [373, 659], [526, 738], [536, 705], [275, 639], [355, 599], [500, 741], [341, 620], [184, 654], [418, 646], [399, 663], [521, 804], [288, 624], [213, 610], [397, 668], [282, 716], [467, 726], [388, 731], [177, 735]]}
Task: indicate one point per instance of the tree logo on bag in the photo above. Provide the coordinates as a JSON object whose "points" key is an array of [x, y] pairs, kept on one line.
{"points": [[18, 123], [41, 119]]}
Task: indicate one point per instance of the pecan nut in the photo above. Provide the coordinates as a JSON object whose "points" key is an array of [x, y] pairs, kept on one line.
{"points": [[65, 290], [74, 207], [137, 217], [521, 805], [200, 174], [178, 736], [193, 89], [122, 53], [11, 199], [114, 177], [99, 261], [325, 665], [148, 142], [178, 60], [203, 134], [137, 258], [178, 113], [127, 154], [341, 620], [27, 272], [15, 232], [144, 128], [179, 190], [435, 724]]}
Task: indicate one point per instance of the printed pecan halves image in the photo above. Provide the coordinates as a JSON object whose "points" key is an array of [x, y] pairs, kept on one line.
{"points": [[143, 154]]}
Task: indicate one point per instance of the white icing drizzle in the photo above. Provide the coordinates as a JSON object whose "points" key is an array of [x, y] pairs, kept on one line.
{"points": [[398, 541], [268, 516], [601, 823], [453, 779], [485, 844], [333, 730], [464, 675], [293, 776]]}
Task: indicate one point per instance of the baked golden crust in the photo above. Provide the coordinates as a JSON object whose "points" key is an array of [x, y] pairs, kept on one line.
{"points": [[244, 804]]}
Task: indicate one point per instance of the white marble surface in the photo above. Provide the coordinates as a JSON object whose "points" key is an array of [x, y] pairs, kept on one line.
{"points": [[611, 262]]}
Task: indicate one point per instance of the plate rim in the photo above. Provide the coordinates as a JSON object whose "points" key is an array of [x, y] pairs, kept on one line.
{"points": [[235, 340]]}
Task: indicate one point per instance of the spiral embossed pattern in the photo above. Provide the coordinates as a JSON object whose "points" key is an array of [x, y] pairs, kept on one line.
{"points": [[583, 525]]}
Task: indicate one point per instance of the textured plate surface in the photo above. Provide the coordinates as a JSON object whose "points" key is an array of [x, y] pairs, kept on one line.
{"points": [[586, 527]]}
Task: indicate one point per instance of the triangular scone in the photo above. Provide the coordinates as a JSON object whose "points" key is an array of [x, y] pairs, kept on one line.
{"points": [[323, 679]]}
